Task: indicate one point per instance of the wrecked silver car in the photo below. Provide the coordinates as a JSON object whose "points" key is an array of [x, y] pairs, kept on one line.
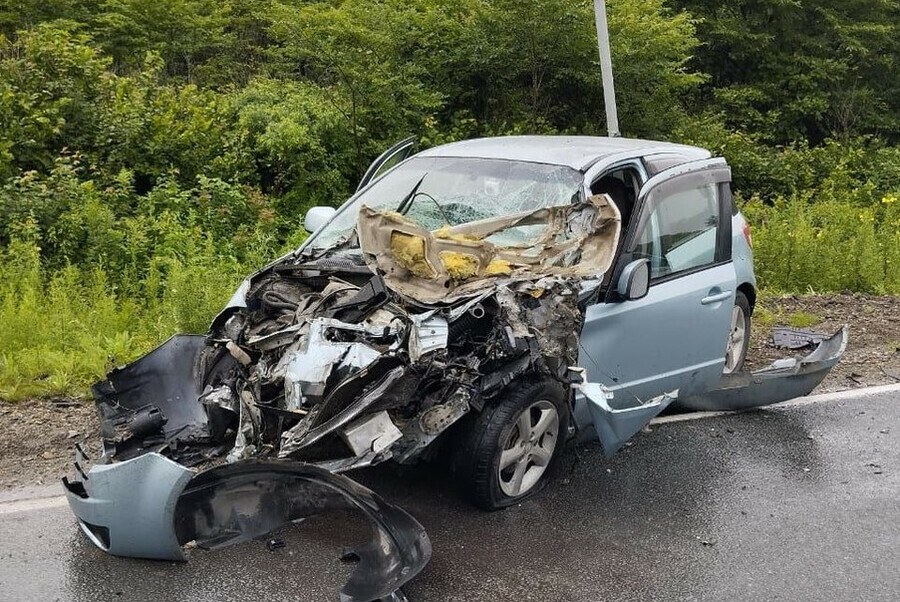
{"points": [[485, 300]]}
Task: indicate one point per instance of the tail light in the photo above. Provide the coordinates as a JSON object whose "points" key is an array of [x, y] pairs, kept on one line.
{"points": [[747, 235]]}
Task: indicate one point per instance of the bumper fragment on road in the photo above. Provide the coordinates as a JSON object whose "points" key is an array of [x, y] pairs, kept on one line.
{"points": [[150, 507]]}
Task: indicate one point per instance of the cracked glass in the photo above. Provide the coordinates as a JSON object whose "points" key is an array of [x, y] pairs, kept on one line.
{"points": [[439, 191]]}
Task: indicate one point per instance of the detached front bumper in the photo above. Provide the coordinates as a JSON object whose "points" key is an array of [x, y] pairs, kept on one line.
{"points": [[782, 380], [128, 508], [150, 506]]}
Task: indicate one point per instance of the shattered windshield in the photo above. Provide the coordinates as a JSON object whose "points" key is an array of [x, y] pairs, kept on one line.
{"points": [[439, 191]]}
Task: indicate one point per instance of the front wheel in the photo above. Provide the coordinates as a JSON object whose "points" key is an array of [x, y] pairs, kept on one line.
{"points": [[508, 451], [739, 336]]}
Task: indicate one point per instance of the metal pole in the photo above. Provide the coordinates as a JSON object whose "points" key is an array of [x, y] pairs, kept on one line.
{"points": [[609, 91]]}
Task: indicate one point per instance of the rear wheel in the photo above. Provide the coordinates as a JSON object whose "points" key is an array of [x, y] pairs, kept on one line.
{"points": [[739, 336], [509, 450]]}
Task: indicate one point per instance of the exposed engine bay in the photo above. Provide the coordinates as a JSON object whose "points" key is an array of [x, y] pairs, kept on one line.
{"points": [[352, 358]]}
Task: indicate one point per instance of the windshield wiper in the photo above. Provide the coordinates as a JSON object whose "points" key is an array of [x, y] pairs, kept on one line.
{"points": [[436, 204], [403, 207], [407, 201]]}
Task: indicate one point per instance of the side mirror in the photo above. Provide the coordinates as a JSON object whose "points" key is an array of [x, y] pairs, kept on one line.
{"points": [[635, 280], [317, 217]]}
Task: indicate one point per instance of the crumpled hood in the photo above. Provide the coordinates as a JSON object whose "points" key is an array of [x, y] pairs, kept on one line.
{"points": [[576, 241]]}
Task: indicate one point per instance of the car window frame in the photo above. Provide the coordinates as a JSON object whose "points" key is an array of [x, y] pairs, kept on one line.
{"points": [[600, 170], [715, 171], [381, 165], [635, 163]]}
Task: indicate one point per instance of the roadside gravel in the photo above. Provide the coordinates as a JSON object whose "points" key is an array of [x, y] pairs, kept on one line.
{"points": [[873, 353]]}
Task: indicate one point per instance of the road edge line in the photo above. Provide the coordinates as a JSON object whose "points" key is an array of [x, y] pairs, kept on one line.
{"points": [[28, 505]]}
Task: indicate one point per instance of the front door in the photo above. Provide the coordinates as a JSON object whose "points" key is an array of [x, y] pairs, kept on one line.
{"points": [[674, 338]]}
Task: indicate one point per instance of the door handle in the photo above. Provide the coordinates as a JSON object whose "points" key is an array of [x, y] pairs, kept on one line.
{"points": [[715, 297]]}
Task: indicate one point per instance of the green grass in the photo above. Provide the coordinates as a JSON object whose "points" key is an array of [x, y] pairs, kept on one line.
{"points": [[762, 317], [802, 319], [805, 245], [62, 333]]}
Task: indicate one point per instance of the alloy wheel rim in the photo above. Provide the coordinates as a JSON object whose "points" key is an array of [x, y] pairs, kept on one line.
{"points": [[735, 349], [528, 448]]}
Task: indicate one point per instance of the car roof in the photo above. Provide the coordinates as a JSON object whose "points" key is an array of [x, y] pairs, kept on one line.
{"points": [[578, 152]]}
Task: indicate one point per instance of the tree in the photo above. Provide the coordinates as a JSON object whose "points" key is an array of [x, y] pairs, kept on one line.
{"points": [[355, 50], [185, 33], [51, 81], [792, 69]]}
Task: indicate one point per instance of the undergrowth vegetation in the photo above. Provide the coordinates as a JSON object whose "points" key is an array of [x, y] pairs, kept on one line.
{"points": [[130, 287], [155, 152]]}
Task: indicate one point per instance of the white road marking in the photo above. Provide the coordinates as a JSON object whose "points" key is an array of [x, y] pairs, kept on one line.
{"points": [[862, 393], [43, 503]]}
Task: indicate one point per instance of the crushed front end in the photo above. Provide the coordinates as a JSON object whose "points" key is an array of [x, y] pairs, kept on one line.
{"points": [[324, 363]]}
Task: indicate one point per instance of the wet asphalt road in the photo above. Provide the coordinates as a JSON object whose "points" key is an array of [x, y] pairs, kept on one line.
{"points": [[797, 503]]}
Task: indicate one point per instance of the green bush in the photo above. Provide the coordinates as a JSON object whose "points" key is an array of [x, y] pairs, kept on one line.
{"points": [[820, 245], [154, 152], [93, 277], [64, 328]]}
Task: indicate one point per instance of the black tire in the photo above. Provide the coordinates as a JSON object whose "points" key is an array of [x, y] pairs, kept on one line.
{"points": [[742, 304], [480, 440]]}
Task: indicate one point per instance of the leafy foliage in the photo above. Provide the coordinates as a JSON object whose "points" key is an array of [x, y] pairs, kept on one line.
{"points": [[791, 70], [153, 152]]}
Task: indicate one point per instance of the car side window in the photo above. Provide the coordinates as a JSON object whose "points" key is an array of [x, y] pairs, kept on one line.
{"points": [[679, 229]]}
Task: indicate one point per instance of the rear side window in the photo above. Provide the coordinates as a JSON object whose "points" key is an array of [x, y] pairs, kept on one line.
{"points": [[679, 231], [727, 193]]}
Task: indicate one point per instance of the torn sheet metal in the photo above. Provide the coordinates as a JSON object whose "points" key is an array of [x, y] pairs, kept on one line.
{"points": [[371, 434], [327, 419], [429, 334], [615, 426], [150, 507], [306, 370], [161, 402], [782, 380], [796, 338], [577, 240], [434, 421]]}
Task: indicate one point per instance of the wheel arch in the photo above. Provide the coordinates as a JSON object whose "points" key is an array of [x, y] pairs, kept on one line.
{"points": [[749, 292]]}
